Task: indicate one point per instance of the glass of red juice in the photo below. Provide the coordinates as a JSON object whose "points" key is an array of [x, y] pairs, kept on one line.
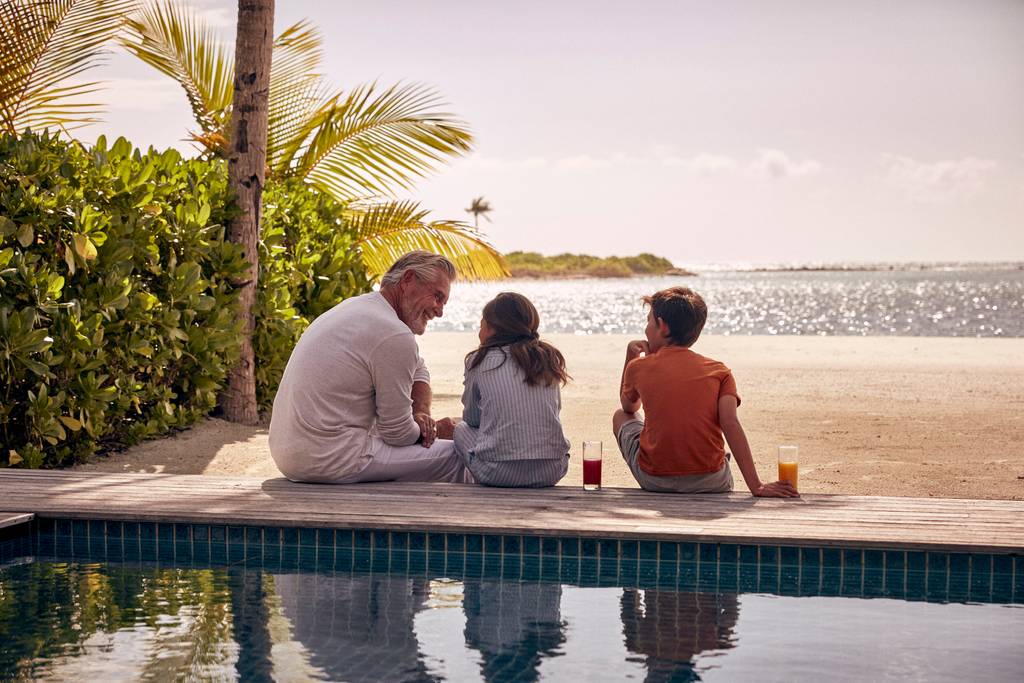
{"points": [[592, 451]]}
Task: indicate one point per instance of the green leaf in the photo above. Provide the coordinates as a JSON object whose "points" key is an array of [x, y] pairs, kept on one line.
{"points": [[26, 235], [70, 422], [84, 247]]}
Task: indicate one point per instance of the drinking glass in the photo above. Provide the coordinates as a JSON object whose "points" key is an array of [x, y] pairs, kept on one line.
{"points": [[592, 451], [789, 464]]}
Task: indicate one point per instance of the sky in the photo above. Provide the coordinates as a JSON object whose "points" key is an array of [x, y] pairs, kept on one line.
{"points": [[786, 131]]}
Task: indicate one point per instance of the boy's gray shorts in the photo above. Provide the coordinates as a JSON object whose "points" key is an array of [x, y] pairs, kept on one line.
{"points": [[629, 444]]}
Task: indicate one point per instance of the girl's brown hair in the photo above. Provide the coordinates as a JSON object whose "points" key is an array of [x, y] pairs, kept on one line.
{"points": [[514, 321]]}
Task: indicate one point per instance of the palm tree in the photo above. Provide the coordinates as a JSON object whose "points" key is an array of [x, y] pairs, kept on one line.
{"points": [[479, 207], [247, 160], [354, 146], [45, 45]]}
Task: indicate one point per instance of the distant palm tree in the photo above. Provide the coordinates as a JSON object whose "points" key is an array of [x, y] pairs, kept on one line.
{"points": [[43, 47], [479, 207], [354, 146]]}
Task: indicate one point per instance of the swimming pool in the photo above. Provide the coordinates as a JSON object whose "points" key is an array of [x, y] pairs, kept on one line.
{"points": [[137, 601]]}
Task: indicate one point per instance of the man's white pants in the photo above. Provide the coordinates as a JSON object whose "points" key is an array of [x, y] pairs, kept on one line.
{"points": [[440, 462]]}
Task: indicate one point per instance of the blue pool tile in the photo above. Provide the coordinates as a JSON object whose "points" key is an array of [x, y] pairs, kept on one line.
{"points": [[435, 542], [1002, 564], [380, 540], [831, 558], [236, 552], [686, 552], [629, 572], [436, 561], [531, 568], [362, 539], [80, 528], [608, 566], [307, 536], [531, 545], [97, 529], [570, 568], [728, 576], [549, 546], [511, 566], [728, 552], [959, 583], [474, 543], [570, 547], [492, 544], [916, 560], [648, 550], [588, 547], [608, 549], [748, 555], [165, 533], [748, 578], [853, 559], [64, 527], [895, 560], [182, 532], [647, 573], [399, 541], [810, 578], [895, 583], [628, 550], [789, 556], [236, 535], [874, 582], [308, 554], [708, 552], [874, 559], [959, 563], [253, 539], [676, 552], [810, 557], [492, 564], [325, 539], [400, 559], [416, 563], [380, 559], [938, 562], [511, 545], [589, 575], [114, 541], [455, 543], [916, 586], [981, 577], [769, 555], [768, 577], [549, 568], [417, 540], [685, 577], [218, 534]]}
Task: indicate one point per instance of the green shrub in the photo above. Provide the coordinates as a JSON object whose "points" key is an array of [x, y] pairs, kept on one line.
{"points": [[308, 263], [117, 301]]}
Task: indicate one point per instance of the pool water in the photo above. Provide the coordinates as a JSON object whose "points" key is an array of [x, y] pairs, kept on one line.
{"points": [[78, 619]]}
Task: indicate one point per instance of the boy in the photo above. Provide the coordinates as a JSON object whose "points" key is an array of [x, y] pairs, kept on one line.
{"points": [[688, 402]]}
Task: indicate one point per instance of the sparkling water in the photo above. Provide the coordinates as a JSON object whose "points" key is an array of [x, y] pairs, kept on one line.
{"points": [[951, 301]]}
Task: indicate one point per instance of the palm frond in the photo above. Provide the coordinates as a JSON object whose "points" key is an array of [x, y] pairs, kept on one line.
{"points": [[297, 91], [179, 44], [45, 45], [373, 142], [386, 231]]}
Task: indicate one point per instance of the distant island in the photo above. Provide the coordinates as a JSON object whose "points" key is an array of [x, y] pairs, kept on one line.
{"points": [[530, 264]]}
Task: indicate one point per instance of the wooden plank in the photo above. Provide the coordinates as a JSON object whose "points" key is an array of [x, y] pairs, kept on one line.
{"points": [[816, 520], [8, 519]]}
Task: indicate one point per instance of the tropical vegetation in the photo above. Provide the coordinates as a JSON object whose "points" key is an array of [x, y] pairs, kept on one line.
{"points": [[533, 264], [118, 288]]}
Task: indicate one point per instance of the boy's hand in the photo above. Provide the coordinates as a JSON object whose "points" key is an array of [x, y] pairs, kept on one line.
{"points": [[777, 489], [636, 347]]}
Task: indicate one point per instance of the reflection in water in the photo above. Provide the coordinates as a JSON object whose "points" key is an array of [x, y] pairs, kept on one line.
{"points": [[357, 627], [513, 626], [670, 629]]}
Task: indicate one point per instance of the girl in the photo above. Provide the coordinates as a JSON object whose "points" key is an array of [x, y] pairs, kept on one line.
{"points": [[510, 434]]}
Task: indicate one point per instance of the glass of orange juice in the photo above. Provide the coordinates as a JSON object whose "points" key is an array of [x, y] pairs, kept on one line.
{"points": [[789, 464]]}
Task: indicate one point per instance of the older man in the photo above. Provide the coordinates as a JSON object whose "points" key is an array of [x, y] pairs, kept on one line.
{"points": [[354, 401]]}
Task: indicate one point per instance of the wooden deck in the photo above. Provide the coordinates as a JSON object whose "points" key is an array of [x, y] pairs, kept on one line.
{"points": [[815, 520]]}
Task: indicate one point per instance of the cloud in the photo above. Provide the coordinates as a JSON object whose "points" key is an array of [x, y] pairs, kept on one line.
{"points": [[937, 181], [583, 162], [776, 164], [704, 163], [142, 94]]}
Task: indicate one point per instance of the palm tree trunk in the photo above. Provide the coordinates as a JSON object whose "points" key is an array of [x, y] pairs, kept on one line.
{"points": [[247, 159]]}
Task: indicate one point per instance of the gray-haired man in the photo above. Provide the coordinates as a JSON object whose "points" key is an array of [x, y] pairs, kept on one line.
{"points": [[354, 401]]}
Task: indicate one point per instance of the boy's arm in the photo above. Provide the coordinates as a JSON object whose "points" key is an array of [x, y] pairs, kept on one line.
{"points": [[628, 396], [737, 439]]}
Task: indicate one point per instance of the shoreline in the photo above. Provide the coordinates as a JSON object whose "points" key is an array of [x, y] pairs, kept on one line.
{"points": [[900, 416]]}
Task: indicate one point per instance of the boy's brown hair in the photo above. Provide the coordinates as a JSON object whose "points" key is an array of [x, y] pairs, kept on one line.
{"points": [[683, 310]]}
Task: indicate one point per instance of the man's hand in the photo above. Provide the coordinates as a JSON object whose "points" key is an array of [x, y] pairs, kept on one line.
{"points": [[446, 427], [777, 489], [636, 347], [428, 429]]}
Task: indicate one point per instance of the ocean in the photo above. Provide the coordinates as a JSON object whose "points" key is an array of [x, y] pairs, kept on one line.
{"points": [[949, 300]]}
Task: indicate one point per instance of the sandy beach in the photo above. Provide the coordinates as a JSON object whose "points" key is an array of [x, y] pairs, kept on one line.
{"points": [[902, 416]]}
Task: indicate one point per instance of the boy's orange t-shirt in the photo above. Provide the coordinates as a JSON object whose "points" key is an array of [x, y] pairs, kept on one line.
{"points": [[679, 390]]}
